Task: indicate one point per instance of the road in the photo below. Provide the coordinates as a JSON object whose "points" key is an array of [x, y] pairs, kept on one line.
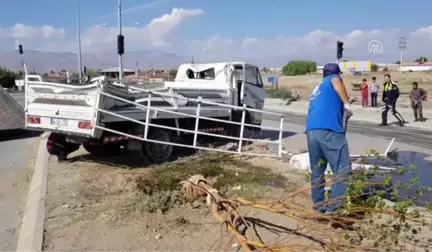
{"points": [[19, 97], [414, 145], [406, 135], [17, 149], [16, 155]]}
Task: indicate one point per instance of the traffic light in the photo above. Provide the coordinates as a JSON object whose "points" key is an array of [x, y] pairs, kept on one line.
{"points": [[85, 69], [120, 44], [20, 49], [339, 49]]}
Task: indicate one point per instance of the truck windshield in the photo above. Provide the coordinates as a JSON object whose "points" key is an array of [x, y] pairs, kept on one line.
{"points": [[208, 74]]}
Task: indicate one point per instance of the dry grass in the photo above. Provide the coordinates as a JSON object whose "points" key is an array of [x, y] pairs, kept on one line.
{"points": [[102, 207], [305, 84]]}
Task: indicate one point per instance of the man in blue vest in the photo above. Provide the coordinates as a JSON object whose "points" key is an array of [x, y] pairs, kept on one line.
{"points": [[326, 138]]}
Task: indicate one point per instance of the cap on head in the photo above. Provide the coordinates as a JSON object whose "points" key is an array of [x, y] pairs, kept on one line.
{"points": [[331, 68]]}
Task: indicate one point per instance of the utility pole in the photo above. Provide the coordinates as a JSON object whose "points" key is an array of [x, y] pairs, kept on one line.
{"points": [[120, 43], [79, 42], [205, 50], [136, 68], [401, 47]]}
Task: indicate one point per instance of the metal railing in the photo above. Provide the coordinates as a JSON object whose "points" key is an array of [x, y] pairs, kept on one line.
{"points": [[147, 123]]}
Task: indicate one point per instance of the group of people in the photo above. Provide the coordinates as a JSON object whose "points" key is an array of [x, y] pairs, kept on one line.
{"points": [[374, 88], [389, 97], [328, 107]]}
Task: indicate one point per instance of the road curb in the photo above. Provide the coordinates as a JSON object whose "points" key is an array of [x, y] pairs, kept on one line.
{"points": [[32, 226]]}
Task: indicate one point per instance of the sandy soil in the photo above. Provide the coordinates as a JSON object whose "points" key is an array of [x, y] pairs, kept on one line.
{"points": [[93, 206], [305, 84], [96, 205]]}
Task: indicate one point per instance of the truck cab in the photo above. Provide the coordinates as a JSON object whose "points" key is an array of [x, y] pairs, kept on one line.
{"points": [[238, 83]]}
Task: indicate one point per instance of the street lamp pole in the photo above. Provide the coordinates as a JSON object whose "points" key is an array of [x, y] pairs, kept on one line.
{"points": [[120, 33], [401, 47], [205, 49], [79, 42]]}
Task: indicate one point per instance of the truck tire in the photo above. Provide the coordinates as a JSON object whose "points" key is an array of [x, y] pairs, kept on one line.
{"points": [[100, 150], [155, 152], [58, 146]]}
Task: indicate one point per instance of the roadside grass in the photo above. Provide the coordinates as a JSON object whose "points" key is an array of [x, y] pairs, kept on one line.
{"points": [[227, 174], [280, 93]]}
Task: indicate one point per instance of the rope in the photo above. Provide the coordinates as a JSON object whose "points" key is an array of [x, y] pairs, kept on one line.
{"points": [[191, 189]]}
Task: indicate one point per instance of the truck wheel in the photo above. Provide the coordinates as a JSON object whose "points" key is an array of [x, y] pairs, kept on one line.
{"points": [[58, 146], [100, 150], [155, 152]]}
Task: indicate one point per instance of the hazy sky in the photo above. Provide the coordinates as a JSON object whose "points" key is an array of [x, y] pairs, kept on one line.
{"points": [[233, 29]]}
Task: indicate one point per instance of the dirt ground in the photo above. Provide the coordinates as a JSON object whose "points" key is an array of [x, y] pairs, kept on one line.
{"points": [[94, 206], [305, 84], [106, 205]]}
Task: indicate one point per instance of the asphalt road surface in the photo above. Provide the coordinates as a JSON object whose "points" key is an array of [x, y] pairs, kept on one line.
{"points": [[19, 97], [406, 135], [16, 149]]}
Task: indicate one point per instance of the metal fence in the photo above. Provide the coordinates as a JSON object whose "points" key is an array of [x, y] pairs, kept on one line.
{"points": [[148, 108]]}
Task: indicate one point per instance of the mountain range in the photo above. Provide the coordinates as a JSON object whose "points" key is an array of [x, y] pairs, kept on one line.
{"points": [[43, 62]]}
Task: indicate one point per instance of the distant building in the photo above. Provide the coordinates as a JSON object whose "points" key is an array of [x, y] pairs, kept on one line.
{"points": [[416, 66], [151, 76], [406, 67], [114, 72], [357, 66], [57, 75], [276, 69], [351, 66]]}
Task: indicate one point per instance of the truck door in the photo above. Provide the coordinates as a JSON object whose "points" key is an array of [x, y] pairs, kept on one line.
{"points": [[254, 92]]}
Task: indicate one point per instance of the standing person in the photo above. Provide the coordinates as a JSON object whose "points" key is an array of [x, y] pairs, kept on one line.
{"points": [[389, 97], [326, 138], [417, 96], [364, 93], [374, 92]]}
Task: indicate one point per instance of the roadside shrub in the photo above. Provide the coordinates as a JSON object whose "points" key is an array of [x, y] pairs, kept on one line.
{"points": [[299, 67], [7, 78]]}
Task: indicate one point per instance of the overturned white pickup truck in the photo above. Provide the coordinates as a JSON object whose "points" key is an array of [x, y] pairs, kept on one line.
{"points": [[212, 100]]}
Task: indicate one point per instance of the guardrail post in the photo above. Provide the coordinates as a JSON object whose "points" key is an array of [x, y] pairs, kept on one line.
{"points": [[197, 121], [242, 128], [147, 116], [280, 135]]}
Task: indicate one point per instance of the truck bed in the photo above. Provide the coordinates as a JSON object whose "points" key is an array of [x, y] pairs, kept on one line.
{"points": [[140, 114], [66, 108]]}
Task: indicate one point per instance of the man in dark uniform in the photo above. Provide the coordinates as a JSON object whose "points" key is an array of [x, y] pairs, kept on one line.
{"points": [[389, 97]]}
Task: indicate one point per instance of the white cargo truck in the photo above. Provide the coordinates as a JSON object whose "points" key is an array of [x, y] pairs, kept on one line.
{"points": [[210, 100]]}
